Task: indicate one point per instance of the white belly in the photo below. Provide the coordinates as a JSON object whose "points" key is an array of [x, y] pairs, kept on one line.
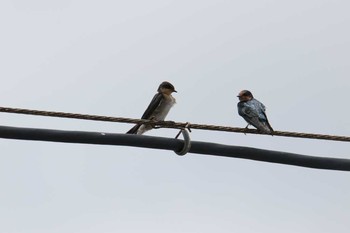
{"points": [[164, 108], [160, 113]]}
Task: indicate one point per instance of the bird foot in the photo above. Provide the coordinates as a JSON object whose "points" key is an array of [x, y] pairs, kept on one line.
{"points": [[169, 122], [246, 129], [155, 126]]}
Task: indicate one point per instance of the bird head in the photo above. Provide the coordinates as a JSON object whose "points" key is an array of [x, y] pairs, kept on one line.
{"points": [[245, 95], [166, 87]]}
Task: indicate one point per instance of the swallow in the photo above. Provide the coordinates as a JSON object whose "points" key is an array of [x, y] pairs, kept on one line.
{"points": [[253, 112], [158, 109]]}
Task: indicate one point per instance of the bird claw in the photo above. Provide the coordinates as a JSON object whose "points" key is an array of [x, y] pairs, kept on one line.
{"points": [[155, 126], [246, 129], [170, 122], [153, 123]]}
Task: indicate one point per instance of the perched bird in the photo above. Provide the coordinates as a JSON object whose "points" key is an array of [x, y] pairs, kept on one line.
{"points": [[253, 112], [158, 109]]}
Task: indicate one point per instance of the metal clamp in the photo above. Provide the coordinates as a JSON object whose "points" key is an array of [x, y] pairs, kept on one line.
{"points": [[187, 141]]}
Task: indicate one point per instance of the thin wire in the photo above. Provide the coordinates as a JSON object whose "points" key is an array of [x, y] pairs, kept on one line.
{"points": [[170, 124]]}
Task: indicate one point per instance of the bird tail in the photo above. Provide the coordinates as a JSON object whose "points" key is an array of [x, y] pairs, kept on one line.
{"points": [[268, 124], [267, 127], [134, 129]]}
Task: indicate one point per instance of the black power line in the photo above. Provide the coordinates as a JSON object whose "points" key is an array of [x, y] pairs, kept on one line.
{"points": [[174, 145]]}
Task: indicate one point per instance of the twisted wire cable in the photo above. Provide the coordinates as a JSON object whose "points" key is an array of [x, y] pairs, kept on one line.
{"points": [[170, 124]]}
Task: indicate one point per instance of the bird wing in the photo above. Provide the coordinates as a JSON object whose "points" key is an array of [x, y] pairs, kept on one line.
{"points": [[262, 115], [246, 110], [267, 121], [157, 99], [254, 113], [250, 114]]}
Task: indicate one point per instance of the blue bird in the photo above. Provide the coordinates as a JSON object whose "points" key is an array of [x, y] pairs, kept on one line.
{"points": [[158, 109], [253, 112]]}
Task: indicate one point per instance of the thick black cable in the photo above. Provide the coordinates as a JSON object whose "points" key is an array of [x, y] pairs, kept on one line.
{"points": [[174, 145]]}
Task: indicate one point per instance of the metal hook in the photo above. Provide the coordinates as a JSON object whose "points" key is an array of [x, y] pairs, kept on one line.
{"points": [[187, 142]]}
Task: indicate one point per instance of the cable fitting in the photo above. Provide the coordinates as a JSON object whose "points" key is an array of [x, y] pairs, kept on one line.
{"points": [[187, 140]]}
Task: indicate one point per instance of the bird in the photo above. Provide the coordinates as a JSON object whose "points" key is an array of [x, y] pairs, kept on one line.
{"points": [[158, 109], [253, 112]]}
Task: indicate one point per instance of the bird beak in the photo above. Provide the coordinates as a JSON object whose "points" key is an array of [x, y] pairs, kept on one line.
{"points": [[175, 91]]}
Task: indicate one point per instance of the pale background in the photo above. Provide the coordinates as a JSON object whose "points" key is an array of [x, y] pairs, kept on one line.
{"points": [[108, 58]]}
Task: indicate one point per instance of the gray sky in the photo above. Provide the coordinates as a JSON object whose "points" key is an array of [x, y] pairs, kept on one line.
{"points": [[108, 58]]}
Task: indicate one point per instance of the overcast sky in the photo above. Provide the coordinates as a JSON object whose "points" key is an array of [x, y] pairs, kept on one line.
{"points": [[108, 58]]}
